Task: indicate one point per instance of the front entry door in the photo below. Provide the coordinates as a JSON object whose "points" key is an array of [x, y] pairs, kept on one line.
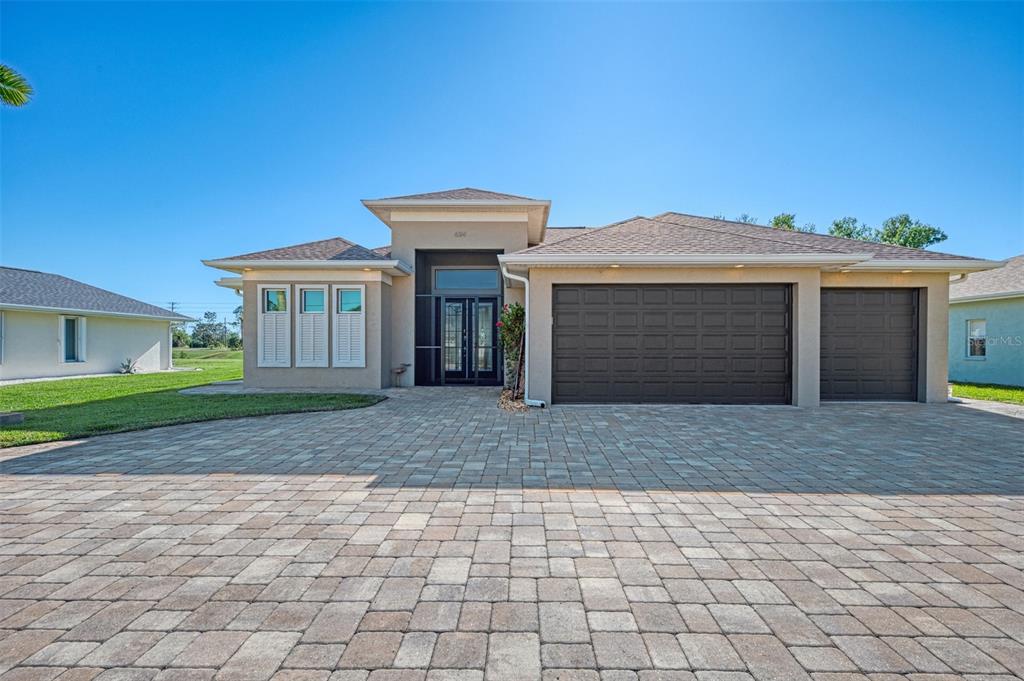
{"points": [[469, 342]]}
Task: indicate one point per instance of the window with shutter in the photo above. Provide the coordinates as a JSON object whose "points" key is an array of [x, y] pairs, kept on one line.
{"points": [[274, 328], [311, 336], [349, 326]]}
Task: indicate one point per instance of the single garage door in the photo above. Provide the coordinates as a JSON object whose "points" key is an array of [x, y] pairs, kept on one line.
{"points": [[869, 343], [726, 344]]}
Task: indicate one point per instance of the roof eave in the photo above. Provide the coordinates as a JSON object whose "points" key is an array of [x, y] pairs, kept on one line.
{"points": [[929, 265], [94, 313], [393, 267], [688, 260], [983, 297]]}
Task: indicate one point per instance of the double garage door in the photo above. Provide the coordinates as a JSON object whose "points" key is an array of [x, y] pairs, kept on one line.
{"points": [[725, 344], [674, 343]]}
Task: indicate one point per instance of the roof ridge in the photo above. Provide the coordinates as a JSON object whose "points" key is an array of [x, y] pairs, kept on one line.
{"points": [[760, 237]]}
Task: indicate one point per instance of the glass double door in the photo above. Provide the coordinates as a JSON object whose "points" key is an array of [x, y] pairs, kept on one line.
{"points": [[469, 340]]}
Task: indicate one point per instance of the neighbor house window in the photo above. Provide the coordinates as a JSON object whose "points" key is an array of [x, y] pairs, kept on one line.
{"points": [[975, 337], [311, 327], [273, 328], [72, 339], [465, 279], [349, 326]]}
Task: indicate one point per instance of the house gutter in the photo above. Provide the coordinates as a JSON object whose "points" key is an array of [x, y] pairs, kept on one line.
{"points": [[526, 337]]}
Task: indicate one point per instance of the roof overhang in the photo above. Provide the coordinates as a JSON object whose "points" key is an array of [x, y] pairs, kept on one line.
{"points": [[952, 265], [395, 268], [94, 313], [389, 211], [982, 297], [823, 260], [233, 283], [860, 262]]}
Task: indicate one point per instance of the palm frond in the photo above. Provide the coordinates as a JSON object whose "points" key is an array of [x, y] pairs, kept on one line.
{"points": [[14, 89]]}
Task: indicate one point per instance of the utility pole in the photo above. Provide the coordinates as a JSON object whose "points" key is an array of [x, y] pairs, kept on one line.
{"points": [[173, 305]]}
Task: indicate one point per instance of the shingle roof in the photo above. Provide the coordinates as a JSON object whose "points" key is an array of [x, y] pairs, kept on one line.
{"points": [[825, 241], [30, 288], [334, 248], [1006, 279], [681, 234], [463, 194], [553, 234]]}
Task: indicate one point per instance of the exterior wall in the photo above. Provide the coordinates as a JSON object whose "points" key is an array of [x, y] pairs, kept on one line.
{"points": [[32, 345], [407, 238], [1004, 350], [807, 283], [376, 373], [933, 335]]}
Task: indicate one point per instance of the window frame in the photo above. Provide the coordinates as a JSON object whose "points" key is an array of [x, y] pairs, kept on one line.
{"points": [[336, 315], [303, 290], [261, 316], [970, 323], [322, 316], [80, 339], [287, 299]]}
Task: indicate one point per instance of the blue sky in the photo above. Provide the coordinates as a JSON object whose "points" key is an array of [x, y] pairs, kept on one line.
{"points": [[168, 132]]}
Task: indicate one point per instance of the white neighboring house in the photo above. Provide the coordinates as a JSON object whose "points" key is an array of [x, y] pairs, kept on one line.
{"points": [[53, 326]]}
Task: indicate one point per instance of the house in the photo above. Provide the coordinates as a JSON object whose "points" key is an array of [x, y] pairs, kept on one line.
{"points": [[54, 326], [986, 326], [671, 308]]}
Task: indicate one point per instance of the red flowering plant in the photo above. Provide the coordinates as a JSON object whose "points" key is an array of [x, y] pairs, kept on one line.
{"points": [[510, 325]]}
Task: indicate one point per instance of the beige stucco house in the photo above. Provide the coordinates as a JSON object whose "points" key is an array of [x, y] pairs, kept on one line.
{"points": [[52, 326], [671, 308]]}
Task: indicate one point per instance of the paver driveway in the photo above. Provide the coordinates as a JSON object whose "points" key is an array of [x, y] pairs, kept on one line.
{"points": [[435, 537]]}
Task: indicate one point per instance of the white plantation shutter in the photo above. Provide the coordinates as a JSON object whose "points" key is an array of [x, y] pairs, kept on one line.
{"points": [[349, 329], [311, 339], [274, 332]]}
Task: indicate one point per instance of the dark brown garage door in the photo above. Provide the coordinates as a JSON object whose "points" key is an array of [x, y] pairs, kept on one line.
{"points": [[725, 344], [869, 344]]}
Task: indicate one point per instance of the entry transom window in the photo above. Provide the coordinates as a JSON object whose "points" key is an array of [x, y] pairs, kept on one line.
{"points": [[975, 337], [275, 300], [466, 279], [312, 301]]}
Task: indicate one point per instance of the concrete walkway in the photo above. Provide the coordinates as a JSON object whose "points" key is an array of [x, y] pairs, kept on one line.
{"points": [[433, 536]]}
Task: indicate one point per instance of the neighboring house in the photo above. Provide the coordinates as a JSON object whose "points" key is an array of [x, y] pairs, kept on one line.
{"points": [[54, 326], [674, 308], [986, 326]]}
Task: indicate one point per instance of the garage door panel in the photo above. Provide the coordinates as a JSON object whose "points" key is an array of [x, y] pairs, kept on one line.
{"points": [[688, 343], [683, 295], [869, 344], [625, 296]]}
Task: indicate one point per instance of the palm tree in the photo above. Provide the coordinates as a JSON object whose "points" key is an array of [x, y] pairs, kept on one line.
{"points": [[14, 89]]}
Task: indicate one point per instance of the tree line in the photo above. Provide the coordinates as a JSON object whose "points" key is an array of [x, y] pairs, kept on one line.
{"points": [[899, 230], [210, 333]]}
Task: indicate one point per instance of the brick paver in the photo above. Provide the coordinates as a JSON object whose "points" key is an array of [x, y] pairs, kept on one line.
{"points": [[435, 537]]}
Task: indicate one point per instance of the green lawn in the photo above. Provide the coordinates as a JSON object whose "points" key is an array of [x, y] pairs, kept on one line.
{"points": [[996, 393], [61, 410]]}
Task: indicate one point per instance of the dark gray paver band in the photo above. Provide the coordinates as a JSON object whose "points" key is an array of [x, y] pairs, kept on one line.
{"points": [[435, 537]]}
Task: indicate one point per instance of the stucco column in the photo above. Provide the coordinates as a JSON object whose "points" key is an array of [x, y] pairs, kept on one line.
{"points": [[807, 339], [539, 329], [933, 355]]}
